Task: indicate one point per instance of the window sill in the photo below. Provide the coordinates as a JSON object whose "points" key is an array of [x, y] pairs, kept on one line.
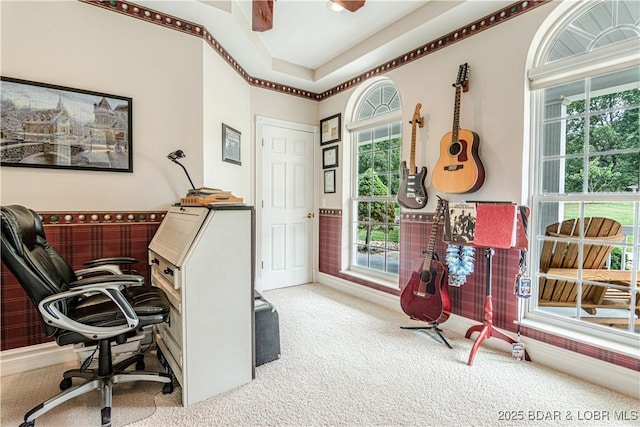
{"points": [[626, 345], [373, 279]]}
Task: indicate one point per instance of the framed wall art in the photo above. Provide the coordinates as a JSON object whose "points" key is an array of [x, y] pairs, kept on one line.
{"points": [[330, 181], [50, 126], [330, 157], [230, 145], [330, 129]]}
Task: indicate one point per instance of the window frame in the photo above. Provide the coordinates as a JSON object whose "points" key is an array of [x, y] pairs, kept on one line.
{"points": [[592, 64], [355, 127]]}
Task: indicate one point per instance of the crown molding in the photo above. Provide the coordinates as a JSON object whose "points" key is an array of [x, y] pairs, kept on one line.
{"points": [[177, 24]]}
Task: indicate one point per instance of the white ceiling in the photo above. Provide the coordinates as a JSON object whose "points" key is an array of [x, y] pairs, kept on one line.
{"points": [[315, 49]]}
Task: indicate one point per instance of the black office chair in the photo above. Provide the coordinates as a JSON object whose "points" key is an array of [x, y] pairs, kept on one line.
{"points": [[92, 268], [95, 310]]}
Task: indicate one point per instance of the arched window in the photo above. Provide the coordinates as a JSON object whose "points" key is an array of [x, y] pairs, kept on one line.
{"points": [[376, 139], [585, 155]]}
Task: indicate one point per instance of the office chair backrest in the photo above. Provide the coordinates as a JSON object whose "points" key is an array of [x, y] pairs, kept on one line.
{"points": [[65, 270], [26, 256]]}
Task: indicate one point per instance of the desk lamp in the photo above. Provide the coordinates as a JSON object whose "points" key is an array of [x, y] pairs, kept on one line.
{"points": [[179, 154]]}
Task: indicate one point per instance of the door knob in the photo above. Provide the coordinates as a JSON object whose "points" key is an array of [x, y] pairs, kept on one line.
{"points": [[311, 215]]}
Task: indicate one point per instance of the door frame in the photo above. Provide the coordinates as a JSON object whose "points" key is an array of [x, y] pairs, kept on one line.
{"points": [[259, 189]]}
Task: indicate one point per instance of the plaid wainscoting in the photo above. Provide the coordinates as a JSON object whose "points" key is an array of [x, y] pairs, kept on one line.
{"points": [[330, 253], [467, 300], [79, 237]]}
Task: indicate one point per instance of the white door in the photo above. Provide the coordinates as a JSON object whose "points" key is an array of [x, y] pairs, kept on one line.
{"points": [[287, 204]]}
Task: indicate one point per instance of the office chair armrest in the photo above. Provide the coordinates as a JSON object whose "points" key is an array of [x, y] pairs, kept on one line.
{"points": [[54, 317], [110, 265], [118, 260], [99, 270], [123, 279]]}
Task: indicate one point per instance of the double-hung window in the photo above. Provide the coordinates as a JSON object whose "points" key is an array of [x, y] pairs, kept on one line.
{"points": [[376, 131], [585, 184]]}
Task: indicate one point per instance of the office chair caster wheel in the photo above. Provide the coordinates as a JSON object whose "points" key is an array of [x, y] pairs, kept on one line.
{"points": [[65, 383], [140, 365], [167, 388]]}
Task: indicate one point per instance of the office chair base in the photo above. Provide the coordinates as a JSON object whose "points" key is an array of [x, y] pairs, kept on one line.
{"points": [[89, 374], [105, 384]]}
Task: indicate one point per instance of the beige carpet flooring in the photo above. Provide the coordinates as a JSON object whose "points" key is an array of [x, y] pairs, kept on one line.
{"points": [[21, 392], [346, 362]]}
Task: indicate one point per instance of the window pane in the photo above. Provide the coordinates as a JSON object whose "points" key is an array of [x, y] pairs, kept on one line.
{"points": [[365, 184], [574, 176], [377, 151], [561, 253], [381, 137], [575, 135], [379, 100], [619, 83], [600, 25], [585, 199], [552, 142], [551, 171], [364, 211], [381, 158], [365, 163], [381, 161], [395, 183], [364, 140], [565, 99], [614, 173], [393, 261]]}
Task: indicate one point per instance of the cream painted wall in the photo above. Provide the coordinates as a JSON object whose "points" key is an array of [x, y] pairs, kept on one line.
{"points": [[275, 105], [494, 108], [329, 107], [178, 103], [81, 46], [227, 103]]}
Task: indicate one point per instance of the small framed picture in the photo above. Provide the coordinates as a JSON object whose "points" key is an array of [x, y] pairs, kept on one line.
{"points": [[330, 181], [330, 129], [330, 157], [230, 145]]}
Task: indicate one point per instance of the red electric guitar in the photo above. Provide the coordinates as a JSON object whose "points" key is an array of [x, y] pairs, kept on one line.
{"points": [[426, 296], [459, 168], [413, 193]]}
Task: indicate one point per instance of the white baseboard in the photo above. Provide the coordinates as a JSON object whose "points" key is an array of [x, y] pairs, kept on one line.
{"points": [[608, 375], [35, 356]]}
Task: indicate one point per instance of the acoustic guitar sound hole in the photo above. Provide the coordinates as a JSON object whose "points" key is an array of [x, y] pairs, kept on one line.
{"points": [[455, 148]]}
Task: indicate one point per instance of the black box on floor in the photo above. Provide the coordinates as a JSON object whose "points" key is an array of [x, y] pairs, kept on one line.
{"points": [[267, 332]]}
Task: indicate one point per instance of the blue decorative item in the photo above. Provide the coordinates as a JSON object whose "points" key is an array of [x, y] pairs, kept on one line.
{"points": [[460, 261]]}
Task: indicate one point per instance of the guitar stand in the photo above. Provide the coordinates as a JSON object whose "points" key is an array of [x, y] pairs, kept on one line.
{"points": [[433, 327], [486, 330]]}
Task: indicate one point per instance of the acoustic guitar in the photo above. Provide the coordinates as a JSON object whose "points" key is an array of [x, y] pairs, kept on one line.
{"points": [[426, 296], [459, 168], [413, 193]]}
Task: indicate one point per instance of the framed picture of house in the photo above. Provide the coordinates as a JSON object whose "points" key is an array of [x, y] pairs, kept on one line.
{"points": [[230, 145], [330, 129], [49, 126]]}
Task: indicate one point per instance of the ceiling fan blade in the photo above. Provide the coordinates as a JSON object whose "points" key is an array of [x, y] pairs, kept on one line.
{"points": [[262, 15], [350, 5]]}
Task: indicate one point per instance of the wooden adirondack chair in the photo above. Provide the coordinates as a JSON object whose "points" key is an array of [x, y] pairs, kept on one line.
{"points": [[562, 259]]}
